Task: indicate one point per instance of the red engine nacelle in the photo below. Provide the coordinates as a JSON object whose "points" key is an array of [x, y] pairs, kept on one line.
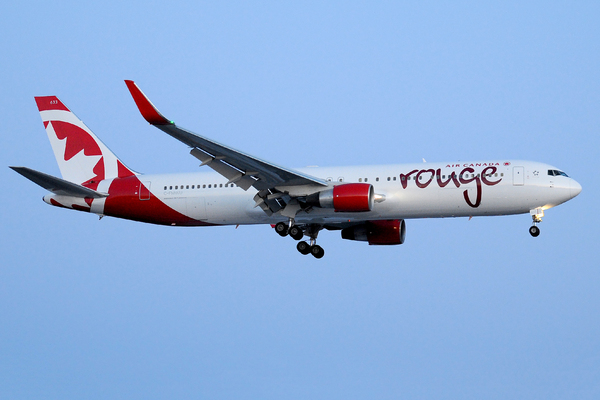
{"points": [[350, 197], [377, 232]]}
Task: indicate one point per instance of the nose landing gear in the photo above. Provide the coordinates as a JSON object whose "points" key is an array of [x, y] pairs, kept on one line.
{"points": [[536, 215], [534, 231]]}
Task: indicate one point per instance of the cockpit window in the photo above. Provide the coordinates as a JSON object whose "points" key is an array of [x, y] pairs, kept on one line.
{"points": [[555, 172]]}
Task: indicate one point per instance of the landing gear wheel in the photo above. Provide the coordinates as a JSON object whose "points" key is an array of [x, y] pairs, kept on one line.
{"points": [[281, 228], [534, 231], [317, 251], [303, 247], [296, 233]]}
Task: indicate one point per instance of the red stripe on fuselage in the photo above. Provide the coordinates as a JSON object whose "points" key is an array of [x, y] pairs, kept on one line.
{"points": [[124, 202]]}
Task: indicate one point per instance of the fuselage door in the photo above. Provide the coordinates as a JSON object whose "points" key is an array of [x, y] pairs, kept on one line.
{"points": [[144, 190], [518, 176]]}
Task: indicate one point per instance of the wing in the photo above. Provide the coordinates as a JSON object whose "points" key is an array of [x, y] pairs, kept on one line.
{"points": [[240, 168], [57, 185]]}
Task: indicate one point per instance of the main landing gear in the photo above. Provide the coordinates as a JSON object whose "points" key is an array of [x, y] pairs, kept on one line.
{"points": [[296, 232], [536, 215]]}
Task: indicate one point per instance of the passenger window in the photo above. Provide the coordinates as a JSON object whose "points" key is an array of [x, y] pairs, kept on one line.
{"points": [[394, 178], [366, 179], [376, 179], [165, 188], [360, 179], [170, 187]]}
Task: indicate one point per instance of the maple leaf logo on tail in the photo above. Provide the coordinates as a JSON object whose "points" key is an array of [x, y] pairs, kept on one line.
{"points": [[82, 158]]}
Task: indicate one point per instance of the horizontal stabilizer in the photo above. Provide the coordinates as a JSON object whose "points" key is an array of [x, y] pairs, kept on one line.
{"points": [[57, 185]]}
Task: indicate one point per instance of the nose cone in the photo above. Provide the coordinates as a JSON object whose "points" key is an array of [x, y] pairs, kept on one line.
{"points": [[575, 188]]}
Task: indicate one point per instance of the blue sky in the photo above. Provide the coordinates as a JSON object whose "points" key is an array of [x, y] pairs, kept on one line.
{"points": [[464, 309]]}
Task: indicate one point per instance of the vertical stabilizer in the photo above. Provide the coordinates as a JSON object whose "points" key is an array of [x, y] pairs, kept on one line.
{"points": [[81, 156]]}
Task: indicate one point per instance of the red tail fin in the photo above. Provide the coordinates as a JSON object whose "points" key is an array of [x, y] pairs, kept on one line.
{"points": [[81, 156]]}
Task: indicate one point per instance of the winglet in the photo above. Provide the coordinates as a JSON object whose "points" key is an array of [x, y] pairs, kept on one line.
{"points": [[147, 109]]}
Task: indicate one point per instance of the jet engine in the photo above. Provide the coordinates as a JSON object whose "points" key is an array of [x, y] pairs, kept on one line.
{"points": [[377, 232], [349, 197]]}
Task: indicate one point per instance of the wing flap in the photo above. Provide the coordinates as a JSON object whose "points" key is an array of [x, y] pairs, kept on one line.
{"points": [[57, 185], [233, 174], [243, 169]]}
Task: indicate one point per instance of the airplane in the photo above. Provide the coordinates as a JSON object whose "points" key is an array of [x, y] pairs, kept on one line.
{"points": [[364, 203]]}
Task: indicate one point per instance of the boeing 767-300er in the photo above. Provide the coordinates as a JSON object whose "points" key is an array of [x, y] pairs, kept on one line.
{"points": [[364, 203]]}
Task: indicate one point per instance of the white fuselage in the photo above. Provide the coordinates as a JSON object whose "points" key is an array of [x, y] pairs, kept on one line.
{"points": [[425, 190]]}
